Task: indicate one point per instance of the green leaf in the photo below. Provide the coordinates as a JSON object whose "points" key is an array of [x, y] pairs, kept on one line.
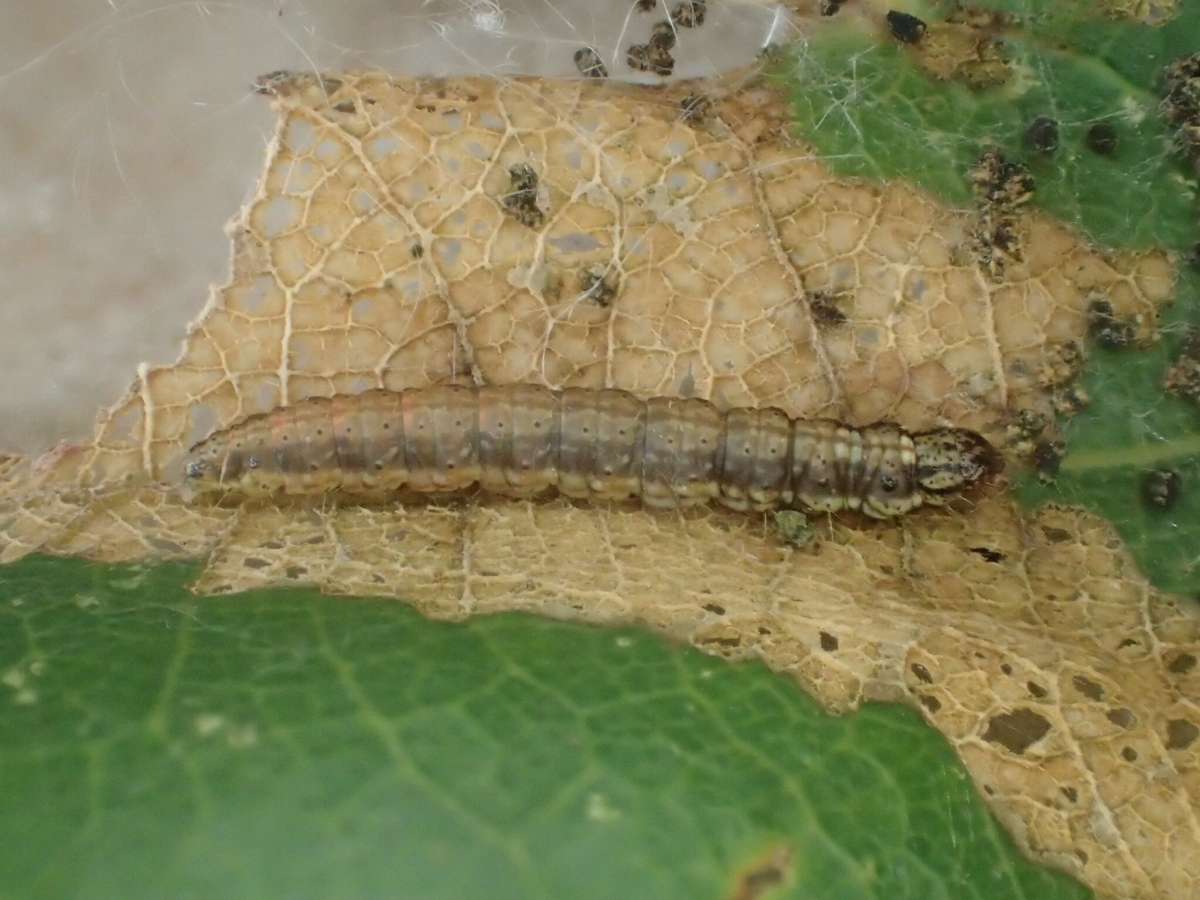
{"points": [[1133, 428], [285, 744], [871, 111]]}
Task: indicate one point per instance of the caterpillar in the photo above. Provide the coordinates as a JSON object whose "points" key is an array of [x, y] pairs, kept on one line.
{"points": [[524, 440]]}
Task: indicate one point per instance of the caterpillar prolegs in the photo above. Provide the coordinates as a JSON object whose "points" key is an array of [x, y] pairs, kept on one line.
{"points": [[525, 440]]}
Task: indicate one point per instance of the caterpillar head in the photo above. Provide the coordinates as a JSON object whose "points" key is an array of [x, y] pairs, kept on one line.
{"points": [[951, 460]]}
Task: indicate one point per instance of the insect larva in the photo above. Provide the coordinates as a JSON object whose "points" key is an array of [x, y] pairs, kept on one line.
{"points": [[525, 440]]}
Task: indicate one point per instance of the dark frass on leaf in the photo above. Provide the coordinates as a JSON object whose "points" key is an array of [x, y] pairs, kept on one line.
{"points": [[1105, 328], [793, 527], [1161, 487], [1047, 456], [1183, 377], [655, 55], [825, 309], [589, 64], [1101, 138], [597, 288], [1181, 105], [1042, 135], [905, 28], [694, 108], [521, 199], [690, 13]]}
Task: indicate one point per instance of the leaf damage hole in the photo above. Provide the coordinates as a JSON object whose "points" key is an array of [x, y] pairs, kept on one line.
{"points": [[1018, 730]]}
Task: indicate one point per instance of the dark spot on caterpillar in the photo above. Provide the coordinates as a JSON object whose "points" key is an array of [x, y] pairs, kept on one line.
{"points": [[521, 199], [1161, 488], [589, 64], [992, 556], [1101, 138], [829, 643], [1042, 135], [1018, 730], [905, 28]]}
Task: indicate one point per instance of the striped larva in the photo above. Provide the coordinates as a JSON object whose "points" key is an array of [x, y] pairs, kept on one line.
{"points": [[525, 440]]}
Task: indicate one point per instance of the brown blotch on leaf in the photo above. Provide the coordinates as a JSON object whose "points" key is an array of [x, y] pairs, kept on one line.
{"points": [[762, 877], [1088, 688], [1181, 734], [1182, 664], [1018, 730], [1121, 717]]}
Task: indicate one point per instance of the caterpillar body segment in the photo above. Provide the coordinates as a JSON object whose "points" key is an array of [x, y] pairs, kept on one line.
{"points": [[526, 440]]}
